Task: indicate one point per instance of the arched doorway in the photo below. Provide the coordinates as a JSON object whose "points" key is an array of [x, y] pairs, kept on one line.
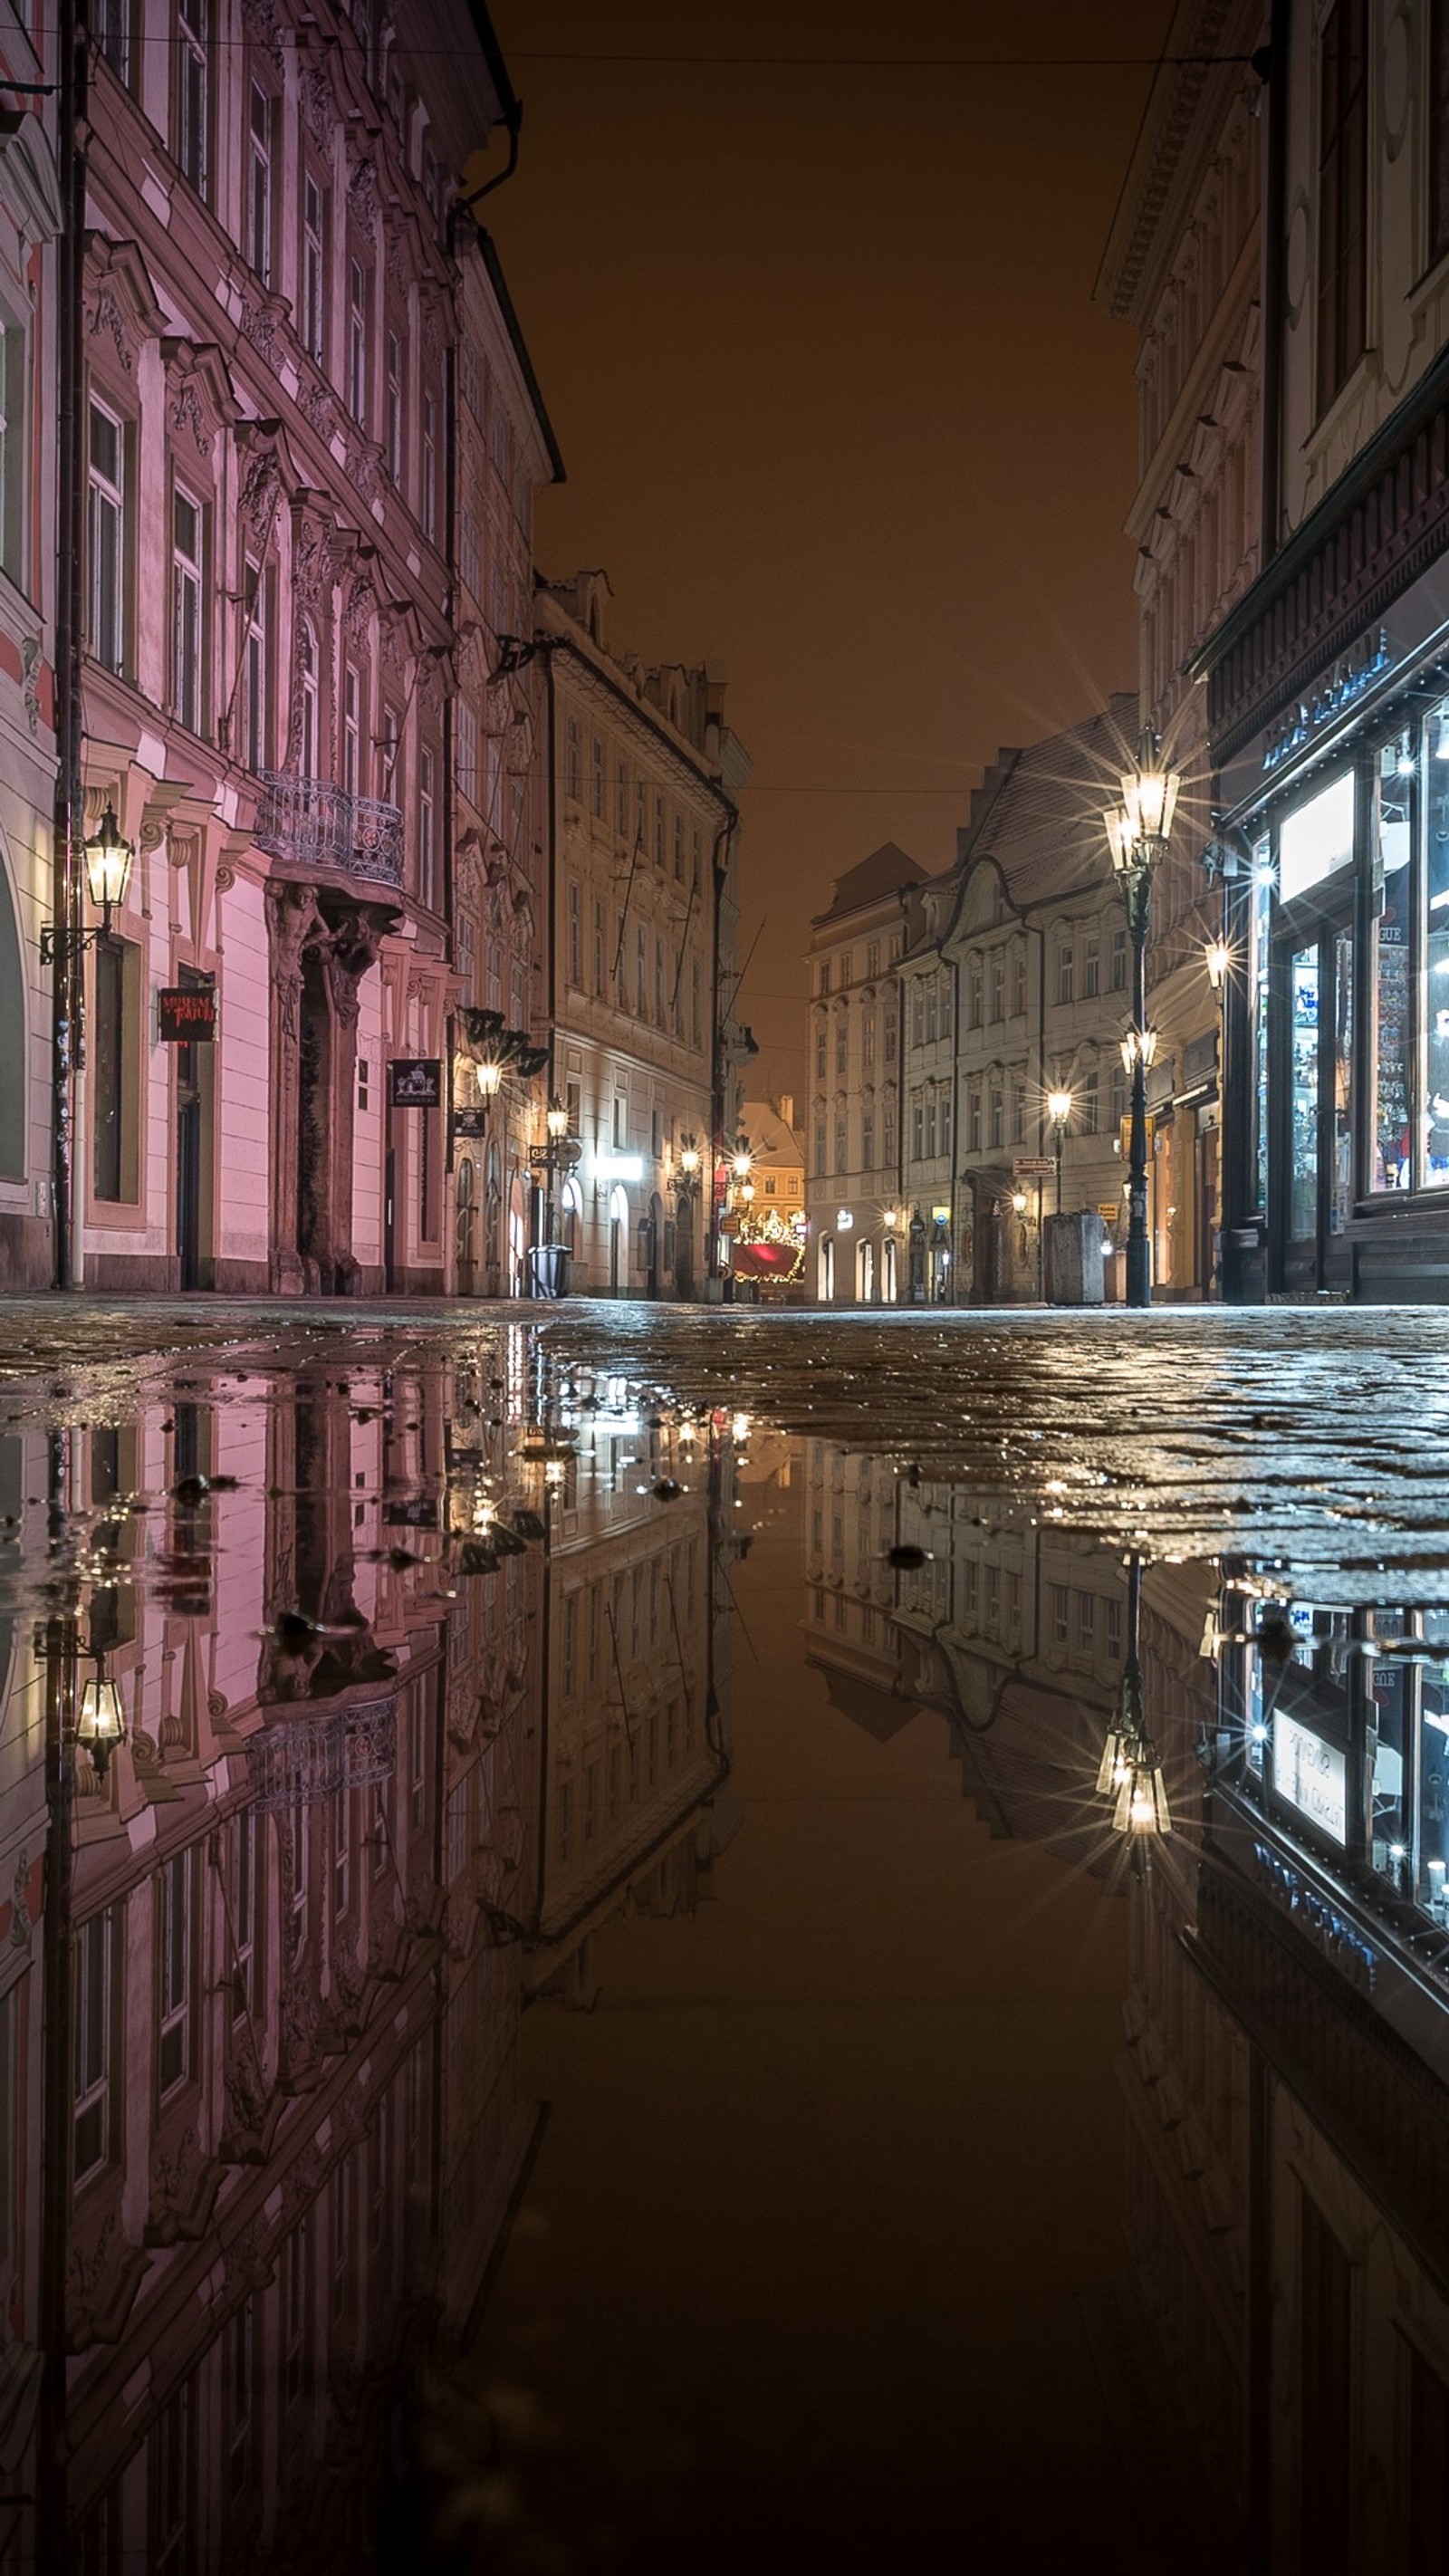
{"points": [[865, 1273], [888, 1288], [517, 1242], [492, 1220], [684, 1245], [825, 1270], [618, 1242], [466, 1229], [649, 1240], [14, 1102]]}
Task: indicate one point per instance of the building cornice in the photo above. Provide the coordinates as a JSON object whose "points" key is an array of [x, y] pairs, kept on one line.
{"points": [[1164, 171]]}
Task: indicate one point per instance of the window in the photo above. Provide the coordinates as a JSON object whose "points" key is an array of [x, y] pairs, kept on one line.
{"points": [[867, 1144], [351, 730], [259, 182], [822, 1049], [466, 750], [94, 2030], [1393, 980], [842, 1046], [817, 1151], [598, 946], [395, 408], [596, 777], [1091, 969], [840, 1154], [357, 303], [973, 995], [872, 960], [256, 695], [245, 1995], [998, 1115], [573, 761], [918, 1131], [112, 1048], [1089, 1104], [641, 969], [576, 932], [106, 534], [470, 553], [1119, 961], [186, 626], [658, 831], [428, 467], [679, 849], [998, 986], [931, 1126], [658, 986], [174, 1940], [427, 830], [192, 33], [1066, 974], [1018, 985], [309, 745], [823, 985], [621, 798], [314, 268], [111, 25], [867, 1040], [696, 1037], [1061, 1605], [946, 1122], [1342, 195]]}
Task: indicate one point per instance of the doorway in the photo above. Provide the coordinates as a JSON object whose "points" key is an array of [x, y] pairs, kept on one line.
{"points": [[1313, 1180], [618, 1242], [467, 1229], [193, 1144], [825, 1270], [865, 1274]]}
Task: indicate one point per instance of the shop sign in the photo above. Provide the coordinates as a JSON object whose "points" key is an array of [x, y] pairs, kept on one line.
{"points": [[470, 1123], [186, 1012], [415, 1082], [1311, 1775], [1353, 674]]}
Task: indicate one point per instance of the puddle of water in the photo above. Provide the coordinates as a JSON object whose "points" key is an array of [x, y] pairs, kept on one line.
{"points": [[587, 1981]]}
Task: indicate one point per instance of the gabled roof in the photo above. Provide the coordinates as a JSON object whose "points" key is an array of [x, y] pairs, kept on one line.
{"points": [[1043, 825], [886, 870]]}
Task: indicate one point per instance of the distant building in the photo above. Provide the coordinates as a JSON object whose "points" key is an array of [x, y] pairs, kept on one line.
{"points": [[852, 1179], [770, 1242], [645, 823]]}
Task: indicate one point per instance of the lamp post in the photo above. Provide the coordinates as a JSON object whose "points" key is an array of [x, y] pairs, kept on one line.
{"points": [[1138, 831], [1059, 1110]]}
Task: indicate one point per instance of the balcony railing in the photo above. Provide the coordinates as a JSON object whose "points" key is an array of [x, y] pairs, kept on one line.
{"points": [[314, 823]]}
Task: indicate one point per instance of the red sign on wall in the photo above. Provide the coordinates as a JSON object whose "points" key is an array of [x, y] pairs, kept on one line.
{"points": [[186, 1012]]}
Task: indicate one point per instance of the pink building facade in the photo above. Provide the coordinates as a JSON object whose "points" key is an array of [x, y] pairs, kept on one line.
{"points": [[291, 443]]}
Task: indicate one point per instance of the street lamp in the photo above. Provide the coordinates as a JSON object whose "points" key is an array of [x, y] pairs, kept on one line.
{"points": [[1059, 1110], [108, 855], [1138, 831]]}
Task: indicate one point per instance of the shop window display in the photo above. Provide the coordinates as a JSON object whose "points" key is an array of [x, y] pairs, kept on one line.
{"points": [[1435, 1175], [1303, 1041], [1393, 1017]]}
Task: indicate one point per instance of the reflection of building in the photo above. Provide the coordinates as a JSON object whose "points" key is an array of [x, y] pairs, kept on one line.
{"points": [[285, 2075], [855, 1083], [645, 819], [634, 1804]]}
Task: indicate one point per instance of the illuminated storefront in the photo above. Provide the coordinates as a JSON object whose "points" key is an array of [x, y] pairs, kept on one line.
{"points": [[1328, 704]]}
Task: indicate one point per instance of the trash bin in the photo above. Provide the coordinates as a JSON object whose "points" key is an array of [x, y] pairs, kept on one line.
{"points": [[549, 1263], [1074, 1246]]}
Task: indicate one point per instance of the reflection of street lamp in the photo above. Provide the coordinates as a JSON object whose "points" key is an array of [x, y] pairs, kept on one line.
{"points": [[1129, 1772], [1059, 1110], [101, 1722], [1138, 831]]}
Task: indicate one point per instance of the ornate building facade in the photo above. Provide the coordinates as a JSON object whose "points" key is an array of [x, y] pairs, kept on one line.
{"points": [[853, 1174]]}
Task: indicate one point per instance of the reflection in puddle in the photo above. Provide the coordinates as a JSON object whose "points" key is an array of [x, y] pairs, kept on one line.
{"points": [[352, 1710]]}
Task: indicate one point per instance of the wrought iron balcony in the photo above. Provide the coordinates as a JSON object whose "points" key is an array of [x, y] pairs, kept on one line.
{"points": [[313, 823]]}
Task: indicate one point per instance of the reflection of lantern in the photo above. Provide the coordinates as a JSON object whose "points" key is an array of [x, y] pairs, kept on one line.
{"points": [[1141, 1794], [101, 1724]]}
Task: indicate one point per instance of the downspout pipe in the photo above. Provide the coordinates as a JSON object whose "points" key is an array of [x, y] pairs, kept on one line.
{"points": [[1275, 184], [69, 809]]}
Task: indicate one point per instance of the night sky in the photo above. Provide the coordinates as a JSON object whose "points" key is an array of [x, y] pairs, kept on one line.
{"points": [[837, 408]]}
